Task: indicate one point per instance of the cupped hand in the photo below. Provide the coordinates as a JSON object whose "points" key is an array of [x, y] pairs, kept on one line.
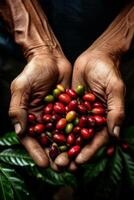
{"points": [[99, 72], [37, 79]]}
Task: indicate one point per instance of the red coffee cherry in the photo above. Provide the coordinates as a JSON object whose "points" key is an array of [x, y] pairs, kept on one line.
{"points": [[44, 139], [70, 139], [31, 118], [64, 98], [31, 131], [59, 138], [59, 108], [89, 97], [83, 122], [82, 109], [71, 93], [110, 151], [53, 152], [46, 118], [48, 108], [87, 105], [61, 124], [91, 121], [73, 105], [39, 128], [98, 111], [97, 104], [74, 151], [79, 141], [87, 133], [99, 120]]}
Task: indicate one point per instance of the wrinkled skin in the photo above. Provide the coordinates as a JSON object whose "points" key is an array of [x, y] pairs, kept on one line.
{"points": [[37, 79], [99, 72]]}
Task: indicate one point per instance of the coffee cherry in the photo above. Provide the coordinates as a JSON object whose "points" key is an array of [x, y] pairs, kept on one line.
{"points": [[76, 130], [74, 151], [49, 98], [98, 111], [97, 104], [71, 93], [39, 119], [80, 90], [91, 121], [59, 108], [76, 121], [83, 122], [71, 116], [49, 126], [44, 139], [31, 118], [79, 141], [70, 139], [87, 133], [68, 128], [73, 105], [46, 118], [99, 120], [60, 87], [63, 148], [53, 152], [82, 109], [89, 97], [49, 134], [87, 105], [56, 92], [55, 117], [48, 108], [124, 146], [110, 151], [64, 98], [39, 128], [59, 138], [31, 131], [61, 124]]}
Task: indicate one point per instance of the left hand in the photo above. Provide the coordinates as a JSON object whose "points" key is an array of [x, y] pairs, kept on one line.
{"points": [[100, 74]]}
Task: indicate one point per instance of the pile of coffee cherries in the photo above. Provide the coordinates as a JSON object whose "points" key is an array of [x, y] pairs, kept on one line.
{"points": [[69, 120]]}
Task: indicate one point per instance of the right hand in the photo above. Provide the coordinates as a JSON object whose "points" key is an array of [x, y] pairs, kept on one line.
{"points": [[37, 79]]}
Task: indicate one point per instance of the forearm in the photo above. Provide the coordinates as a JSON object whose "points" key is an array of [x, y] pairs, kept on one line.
{"points": [[118, 37], [30, 27]]}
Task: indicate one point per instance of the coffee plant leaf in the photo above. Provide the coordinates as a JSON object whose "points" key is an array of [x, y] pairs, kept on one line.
{"points": [[129, 168], [54, 178], [6, 191], [128, 135], [9, 139], [109, 182], [14, 182], [17, 157], [92, 170]]}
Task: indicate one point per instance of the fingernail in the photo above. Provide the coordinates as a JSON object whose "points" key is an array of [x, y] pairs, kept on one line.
{"points": [[116, 131], [17, 128]]}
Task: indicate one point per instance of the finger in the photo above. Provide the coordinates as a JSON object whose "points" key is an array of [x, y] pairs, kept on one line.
{"points": [[65, 69], [100, 139], [18, 104], [72, 167], [62, 160], [78, 77], [35, 151], [115, 104]]}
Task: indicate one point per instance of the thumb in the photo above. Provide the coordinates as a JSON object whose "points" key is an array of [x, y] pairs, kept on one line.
{"points": [[116, 113], [18, 105]]}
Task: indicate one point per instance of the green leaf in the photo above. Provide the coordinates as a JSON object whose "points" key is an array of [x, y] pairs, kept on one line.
{"points": [[6, 192], [92, 170], [9, 139], [54, 178], [17, 157], [129, 168], [128, 135], [110, 181], [15, 182]]}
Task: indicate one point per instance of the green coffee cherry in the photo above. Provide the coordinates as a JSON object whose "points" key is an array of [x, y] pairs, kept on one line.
{"points": [[71, 115], [49, 134], [63, 148], [69, 128], [56, 92], [49, 98], [76, 121], [80, 90]]}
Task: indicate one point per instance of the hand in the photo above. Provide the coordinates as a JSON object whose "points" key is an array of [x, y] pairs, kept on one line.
{"points": [[39, 76], [100, 73]]}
